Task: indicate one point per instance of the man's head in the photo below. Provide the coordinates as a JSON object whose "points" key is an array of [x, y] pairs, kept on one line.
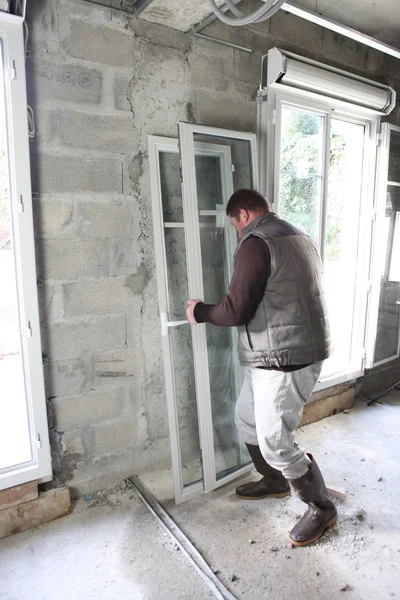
{"points": [[244, 207]]}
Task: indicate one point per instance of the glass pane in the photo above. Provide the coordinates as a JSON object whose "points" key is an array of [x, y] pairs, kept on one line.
{"points": [[301, 167], [394, 271], [394, 157], [182, 356], [175, 251], [388, 326], [15, 442], [301, 142], [208, 172], [215, 182], [222, 357], [234, 154], [341, 238], [299, 202], [170, 178], [185, 393]]}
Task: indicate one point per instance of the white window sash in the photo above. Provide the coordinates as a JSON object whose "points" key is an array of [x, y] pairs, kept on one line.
{"points": [[11, 34], [270, 133]]}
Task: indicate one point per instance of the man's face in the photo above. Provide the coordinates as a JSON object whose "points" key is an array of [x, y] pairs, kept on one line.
{"points": [[240, 222]]}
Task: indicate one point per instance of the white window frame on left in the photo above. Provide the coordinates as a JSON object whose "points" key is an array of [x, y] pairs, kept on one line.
{"points": [[14, 82]]}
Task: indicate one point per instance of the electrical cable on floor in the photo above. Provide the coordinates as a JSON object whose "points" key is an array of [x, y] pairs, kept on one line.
{"points": [[180, 539]]}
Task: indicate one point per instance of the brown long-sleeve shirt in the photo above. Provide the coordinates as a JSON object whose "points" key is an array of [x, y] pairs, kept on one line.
{"points": [[246, 290]]}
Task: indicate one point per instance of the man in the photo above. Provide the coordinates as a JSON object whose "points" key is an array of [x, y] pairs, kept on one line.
{"points": [[276, 300]]}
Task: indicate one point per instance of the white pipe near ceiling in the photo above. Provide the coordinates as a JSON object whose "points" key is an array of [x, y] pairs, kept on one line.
{"points": [[314, 17], [303, 13]]}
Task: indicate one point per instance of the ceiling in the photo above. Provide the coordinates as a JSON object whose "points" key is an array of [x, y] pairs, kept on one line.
{"points": [[377, 18]]}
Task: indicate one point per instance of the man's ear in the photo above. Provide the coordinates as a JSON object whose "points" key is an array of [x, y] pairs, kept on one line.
{"points": [[244, 213]]}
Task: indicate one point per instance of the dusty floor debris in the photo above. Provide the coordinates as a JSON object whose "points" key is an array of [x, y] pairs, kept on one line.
{"points": [[359, 551]]}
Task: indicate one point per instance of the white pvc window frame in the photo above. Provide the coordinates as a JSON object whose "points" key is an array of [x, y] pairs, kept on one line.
{"points": [[39, 468], [271, 103], [189, 193], [156, 146], [382, 183]]}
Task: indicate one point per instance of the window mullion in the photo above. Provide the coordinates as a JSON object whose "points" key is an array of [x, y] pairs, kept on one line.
{"points": [[323, 208]]}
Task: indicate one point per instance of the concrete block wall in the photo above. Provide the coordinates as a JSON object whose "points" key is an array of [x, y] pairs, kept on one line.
{"points": [[99, 82]]}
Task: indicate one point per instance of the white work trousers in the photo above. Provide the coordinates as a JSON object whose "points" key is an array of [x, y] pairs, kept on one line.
{"points": [[269, 409]]}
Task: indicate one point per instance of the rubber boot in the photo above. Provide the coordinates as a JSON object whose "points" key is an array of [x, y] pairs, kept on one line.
{"points": [[321, 512], [272, 485]]}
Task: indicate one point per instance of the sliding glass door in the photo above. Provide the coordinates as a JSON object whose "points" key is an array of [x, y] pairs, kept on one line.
{"points": [[195, 244]]}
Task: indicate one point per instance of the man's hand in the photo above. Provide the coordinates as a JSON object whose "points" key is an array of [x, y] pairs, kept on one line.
{"points": [[190, 311]]}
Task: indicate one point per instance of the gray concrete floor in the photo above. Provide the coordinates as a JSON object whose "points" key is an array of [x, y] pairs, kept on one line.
{"points": [[111, 547]]}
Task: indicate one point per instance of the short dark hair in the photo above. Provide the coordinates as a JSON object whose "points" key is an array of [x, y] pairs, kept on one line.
{"points": [[246, 199]]}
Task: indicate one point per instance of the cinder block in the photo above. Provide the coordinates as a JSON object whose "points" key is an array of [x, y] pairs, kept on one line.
{"points": [[210, 69], [247, 67], [343, 51], [109, 470], [159, 100], [49, 79], [98, 14], [51, 305], [47, 507], [72, 443], [98, 132], [118, 366], [64, 173], [43, 23], [252, 37], [70, 259], [53, 217], [158, 34], [296, 32], [67, 340], [219, 110], [125, 257], [134, 333], [115, 437], [325, 407], [105, 219], [97, 297], [18, 494], [46, 126], [76, 412], [65, 377], [156, 408], [248, 90], [98, 44], [121, 93]]}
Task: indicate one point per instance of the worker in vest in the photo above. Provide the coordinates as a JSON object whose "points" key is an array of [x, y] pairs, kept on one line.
{"points": [[276, 300]]}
